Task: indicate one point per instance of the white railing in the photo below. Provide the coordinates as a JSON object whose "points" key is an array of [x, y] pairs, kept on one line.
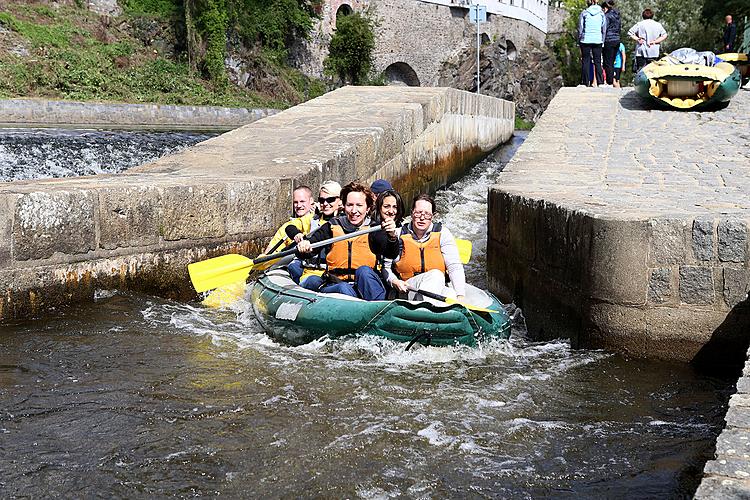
{"points": [[533, 12]]}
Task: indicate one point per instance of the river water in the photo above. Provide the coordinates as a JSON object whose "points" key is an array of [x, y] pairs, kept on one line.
{"points": [[137, 397]]}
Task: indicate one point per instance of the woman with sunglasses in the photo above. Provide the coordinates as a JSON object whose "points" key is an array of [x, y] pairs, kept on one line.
{"points": [[429, 253], [351, 263], [329, 206]]}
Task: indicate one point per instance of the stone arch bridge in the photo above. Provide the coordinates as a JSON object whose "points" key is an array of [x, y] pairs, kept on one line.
{"points": [[415, 37]]}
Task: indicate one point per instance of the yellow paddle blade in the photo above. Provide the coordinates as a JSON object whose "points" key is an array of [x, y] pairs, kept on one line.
{"points": [[469, 306], [226, 295], [219, 271], [464, 250]]}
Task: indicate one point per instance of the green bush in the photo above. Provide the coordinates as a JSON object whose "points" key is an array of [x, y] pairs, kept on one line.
{"points": [[350, 50], [160, 8]]}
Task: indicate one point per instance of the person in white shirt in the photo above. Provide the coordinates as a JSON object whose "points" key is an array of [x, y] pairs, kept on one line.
{"points": [[427, 256], [648, 35]]}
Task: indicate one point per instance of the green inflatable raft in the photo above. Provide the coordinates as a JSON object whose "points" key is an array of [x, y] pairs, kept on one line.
{"points": [[740, 61], [296, 316], [687, 86]]}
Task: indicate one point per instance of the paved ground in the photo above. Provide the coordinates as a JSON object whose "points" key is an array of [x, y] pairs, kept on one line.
{"points": [[614, 153]]}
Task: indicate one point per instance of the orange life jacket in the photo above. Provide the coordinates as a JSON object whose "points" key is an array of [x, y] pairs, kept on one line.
{"points": [[416, 257], [346, 256]]}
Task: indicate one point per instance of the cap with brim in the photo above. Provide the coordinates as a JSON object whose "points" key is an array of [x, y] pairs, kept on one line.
{"points": [[331, 187], [380, 186]]}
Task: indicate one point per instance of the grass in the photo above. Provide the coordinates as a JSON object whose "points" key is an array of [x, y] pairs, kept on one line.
{"points": [[521, 124], [73, 54]]}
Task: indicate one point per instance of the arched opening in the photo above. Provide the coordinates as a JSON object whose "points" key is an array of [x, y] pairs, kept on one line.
{"points": [[400, 73], [485, 39], [344, 10], [511, 50]]}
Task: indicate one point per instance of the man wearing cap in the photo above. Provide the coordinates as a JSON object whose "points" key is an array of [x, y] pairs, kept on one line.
{"points": [[329, 200]]}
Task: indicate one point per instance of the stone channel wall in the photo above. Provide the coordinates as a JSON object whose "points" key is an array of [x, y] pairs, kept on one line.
{"points": [[61, 239], [44, 113], [625, 228], [728, 475]]}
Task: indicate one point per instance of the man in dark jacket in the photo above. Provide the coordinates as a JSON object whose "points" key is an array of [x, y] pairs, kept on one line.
{"points": [[611, 39], [730, 33]]}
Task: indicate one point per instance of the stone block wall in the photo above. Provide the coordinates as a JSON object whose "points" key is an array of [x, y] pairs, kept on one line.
{"points": [[420, 34], [61, 239], [628, 230], [45, 113]]}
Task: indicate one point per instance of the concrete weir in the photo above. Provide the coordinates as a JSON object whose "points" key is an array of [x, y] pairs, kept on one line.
{"points": [[626, 228], [61, 239]]}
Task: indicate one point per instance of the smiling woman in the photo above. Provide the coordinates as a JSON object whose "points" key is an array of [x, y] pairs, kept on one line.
{"points": [[351, 263]]}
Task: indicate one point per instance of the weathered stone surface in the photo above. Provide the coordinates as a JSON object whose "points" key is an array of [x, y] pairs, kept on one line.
{"points": [[194, 212], [712, 488], [6, 228], [738, 417], [696, 285], [660, 285], [732, 241], [736, 285], [130, 216], [734, 442], [46, 222], [27, 112], [703, 239], [619, 251], [733, 468], [667, 241], [254, 206]]}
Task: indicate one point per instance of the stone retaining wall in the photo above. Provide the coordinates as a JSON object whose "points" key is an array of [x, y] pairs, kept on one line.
{"points": [[626, 228], [44, 113], [61, 239]]}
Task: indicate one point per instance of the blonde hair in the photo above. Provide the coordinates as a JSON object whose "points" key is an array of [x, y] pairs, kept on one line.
{"points": [[331, 187]]}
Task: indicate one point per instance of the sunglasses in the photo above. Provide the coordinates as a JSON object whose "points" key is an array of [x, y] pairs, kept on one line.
{"points": [[328, 200]]}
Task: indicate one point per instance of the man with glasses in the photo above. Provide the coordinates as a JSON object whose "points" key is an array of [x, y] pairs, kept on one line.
{"points": [[329, 203], [428, 253]]}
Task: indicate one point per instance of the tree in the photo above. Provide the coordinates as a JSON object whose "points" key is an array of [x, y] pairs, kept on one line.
{"points": [[350, 50]]}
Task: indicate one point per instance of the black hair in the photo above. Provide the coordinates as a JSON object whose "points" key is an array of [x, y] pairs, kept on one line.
{"points": [[400, 209]]}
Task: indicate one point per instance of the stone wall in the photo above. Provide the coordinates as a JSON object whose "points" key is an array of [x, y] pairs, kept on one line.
{"points": [[61, 239], [45, 113], [418, 34], [625, 228]]}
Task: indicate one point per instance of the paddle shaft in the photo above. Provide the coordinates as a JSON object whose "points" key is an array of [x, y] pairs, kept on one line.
{"points": [[266, 258]]}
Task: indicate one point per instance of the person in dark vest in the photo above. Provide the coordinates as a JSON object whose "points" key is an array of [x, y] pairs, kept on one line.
{"points": [[351, 263], [730, 34], [611, 39], [428, 256]]}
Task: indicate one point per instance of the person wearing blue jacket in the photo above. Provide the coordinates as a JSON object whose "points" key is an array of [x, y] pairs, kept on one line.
{"points": [[592, 26]]}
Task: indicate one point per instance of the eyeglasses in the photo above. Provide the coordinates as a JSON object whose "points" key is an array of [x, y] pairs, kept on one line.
{"points": [[328, 200], [421, 215]]}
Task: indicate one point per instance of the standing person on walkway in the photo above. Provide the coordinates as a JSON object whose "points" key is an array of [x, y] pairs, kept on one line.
{"points": [[648, 35], [591, 28], [730, 34], [619, 65], [611, 39]]}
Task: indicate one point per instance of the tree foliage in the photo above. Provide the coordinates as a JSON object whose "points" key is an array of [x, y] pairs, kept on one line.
{"points": [[350, 50]]}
